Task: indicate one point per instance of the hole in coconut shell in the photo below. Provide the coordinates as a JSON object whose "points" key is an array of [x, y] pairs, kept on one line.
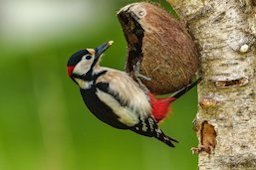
{"points": [[134, 34]]}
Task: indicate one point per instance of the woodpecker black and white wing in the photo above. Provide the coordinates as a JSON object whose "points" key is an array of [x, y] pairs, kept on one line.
{"points": [[127, 90], [117, 90]]}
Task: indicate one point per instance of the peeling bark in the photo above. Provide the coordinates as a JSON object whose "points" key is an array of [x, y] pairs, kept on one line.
{"points": [[225, 31]]}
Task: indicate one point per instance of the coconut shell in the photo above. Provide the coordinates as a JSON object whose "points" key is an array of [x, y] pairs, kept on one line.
{"points": [[161, 44]]}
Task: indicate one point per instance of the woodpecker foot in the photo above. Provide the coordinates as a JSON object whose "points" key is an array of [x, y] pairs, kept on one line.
{"points": [[137, 76], [142, 86], [143, 77]]}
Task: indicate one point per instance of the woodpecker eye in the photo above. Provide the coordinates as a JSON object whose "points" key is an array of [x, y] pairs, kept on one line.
{"points": [[88, 57]]}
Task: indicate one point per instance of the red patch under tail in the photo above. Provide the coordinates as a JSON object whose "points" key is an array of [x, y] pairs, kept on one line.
{"points": [[160, 107]]}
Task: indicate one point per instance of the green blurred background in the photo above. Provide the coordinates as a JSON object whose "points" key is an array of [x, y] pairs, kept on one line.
{"points": [[44, 124]]}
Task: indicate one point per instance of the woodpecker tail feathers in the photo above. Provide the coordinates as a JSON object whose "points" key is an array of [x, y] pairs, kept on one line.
{"points": [[149, 128], [164, 138], [185, 89]]}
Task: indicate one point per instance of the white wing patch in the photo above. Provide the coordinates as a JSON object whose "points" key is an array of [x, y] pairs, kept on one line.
{"points": [[128, 91], [126, 116]]}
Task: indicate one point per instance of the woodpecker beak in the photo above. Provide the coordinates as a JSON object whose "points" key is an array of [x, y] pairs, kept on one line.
{"points": [[102, 48]]}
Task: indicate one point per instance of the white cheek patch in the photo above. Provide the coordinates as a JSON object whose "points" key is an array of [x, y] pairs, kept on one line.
{"points": [[126, 116], [82, 67]]}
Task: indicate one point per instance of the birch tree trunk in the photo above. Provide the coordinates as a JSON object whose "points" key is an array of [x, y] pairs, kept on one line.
{"points": [[225, 31]]}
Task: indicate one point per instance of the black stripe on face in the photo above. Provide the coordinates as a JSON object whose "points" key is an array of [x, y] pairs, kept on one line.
{"points": [[89, 75]]}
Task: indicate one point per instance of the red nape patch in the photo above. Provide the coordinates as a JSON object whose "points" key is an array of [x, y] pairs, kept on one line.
{"points": [[160, 107], [70, 70]]}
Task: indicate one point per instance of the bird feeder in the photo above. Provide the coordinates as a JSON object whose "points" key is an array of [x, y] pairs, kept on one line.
{"points": [[160, 45]]}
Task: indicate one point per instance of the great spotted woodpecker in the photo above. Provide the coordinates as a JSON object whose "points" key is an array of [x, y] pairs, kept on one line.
{"points": [[115, 98]]}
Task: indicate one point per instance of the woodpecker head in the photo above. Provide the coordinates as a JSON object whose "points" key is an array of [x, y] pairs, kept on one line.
{"points": [[83, 61]]}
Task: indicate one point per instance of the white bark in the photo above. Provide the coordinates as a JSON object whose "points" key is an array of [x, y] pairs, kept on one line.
{"points": [[225, 31]]}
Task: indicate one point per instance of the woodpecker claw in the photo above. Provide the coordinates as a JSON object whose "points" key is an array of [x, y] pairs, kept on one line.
{"points": [[137, 76], [144, 77], [136, 69]]}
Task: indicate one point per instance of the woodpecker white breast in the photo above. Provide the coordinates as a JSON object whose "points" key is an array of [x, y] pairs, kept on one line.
{"points": [[112, 96]]}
